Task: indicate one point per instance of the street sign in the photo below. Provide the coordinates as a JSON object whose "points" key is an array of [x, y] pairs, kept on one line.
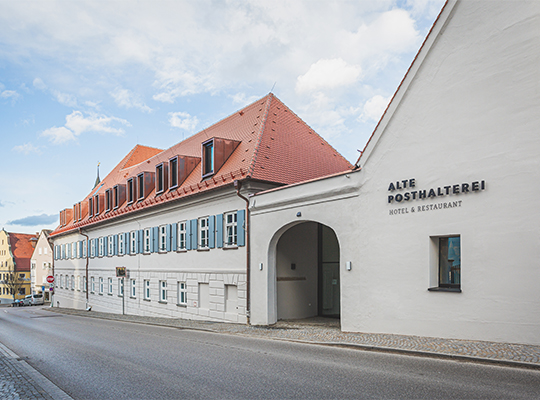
{"points": [[50, 279], [120, 272]]}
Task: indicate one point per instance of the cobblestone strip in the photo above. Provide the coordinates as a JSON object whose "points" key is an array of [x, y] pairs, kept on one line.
{"points": [[325, 332], [19, 381]]}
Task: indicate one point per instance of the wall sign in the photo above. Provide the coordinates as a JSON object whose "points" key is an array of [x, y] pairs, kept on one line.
{"points": [[406, 191]]}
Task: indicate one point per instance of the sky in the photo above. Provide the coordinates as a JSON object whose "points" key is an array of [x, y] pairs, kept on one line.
{"points": [[83, 82]]}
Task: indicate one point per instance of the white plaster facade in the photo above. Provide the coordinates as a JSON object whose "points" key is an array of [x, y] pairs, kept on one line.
{"points": [[41, 265], [466, 113]]}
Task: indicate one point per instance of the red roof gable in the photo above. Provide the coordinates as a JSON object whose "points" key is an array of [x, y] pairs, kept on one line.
{"points": [[273, 145], [22, 249]]}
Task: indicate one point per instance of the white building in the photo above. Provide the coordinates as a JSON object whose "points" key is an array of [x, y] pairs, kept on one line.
{"points": [[41, 265], [177, 219], [436, 232]]}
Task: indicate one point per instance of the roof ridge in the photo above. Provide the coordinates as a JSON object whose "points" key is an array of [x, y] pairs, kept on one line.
{"points": [[128, 157], [251, 167]]}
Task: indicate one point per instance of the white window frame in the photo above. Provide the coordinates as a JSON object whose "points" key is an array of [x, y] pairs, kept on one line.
{"points": [[101, 285], [120, 287], [163, 291], [230, 229], [181, 236], [84, 284], [181, 293], [147, 243], [133, 284], [110, 285], [162, 234], [100, 247], [110, 245], [146, 286], [72, 282], [92, 284], [120, 244], [203, 232], [84, 248], [132, 242]]}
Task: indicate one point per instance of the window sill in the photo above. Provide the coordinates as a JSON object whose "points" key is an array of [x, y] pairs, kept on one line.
{"points": [[120, 295], [147, 300], [444, 289], [182, 305], [110, 294], [204, 249], [234, 247], [162, 302], [181, 251], [132, 297]]}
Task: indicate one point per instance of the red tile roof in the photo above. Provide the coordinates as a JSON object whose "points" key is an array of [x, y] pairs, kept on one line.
{"points": [[22, 249], [275, 145]]}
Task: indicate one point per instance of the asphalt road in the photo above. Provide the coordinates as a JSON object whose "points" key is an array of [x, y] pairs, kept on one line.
{"points": [[90, 358]]}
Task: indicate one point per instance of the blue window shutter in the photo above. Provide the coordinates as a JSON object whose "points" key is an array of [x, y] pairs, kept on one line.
{"points": [[241, 228], [140, 241], [194, 238], [188, 235], [155, 240], [152, 240], [212, 231], [219, 231], [174, 239], [126, 243], [168, 237]]}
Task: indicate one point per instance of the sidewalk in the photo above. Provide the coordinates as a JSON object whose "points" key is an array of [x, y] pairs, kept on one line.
{"points": [[18, 380], [326, 332]]}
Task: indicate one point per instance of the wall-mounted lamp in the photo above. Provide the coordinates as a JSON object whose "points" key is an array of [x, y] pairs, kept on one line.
{"points": [[298, 214], [348, 265], [260, 266]]}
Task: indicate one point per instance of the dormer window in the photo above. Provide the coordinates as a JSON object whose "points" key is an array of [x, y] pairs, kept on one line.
{"points": [[79, 211], [208, 158], [108, 200], [173, 168], [75, 213], [90, 207], [97, 205], [140, 187], [130, 190], [118, 196], [161, 178]]}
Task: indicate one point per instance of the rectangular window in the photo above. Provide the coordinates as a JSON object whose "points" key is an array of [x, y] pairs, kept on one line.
{"points": [[120, 244], [108, 200], [161, 178], [450, 262], [163, 238], [72, 282], [130, 190], [75, 248], [203, 233], [163, 291], [173, 171], [140, 187], [182, 294], [231, 229], [121, 287], [146, 289], [208, 158], [97, 206], [84, 249], [133, 288], [133, 242], [147, 241], [110, 245], [101, 249], [101, 288], [116, 200], [110, 285], [92, 284], [181, 235], [90, 208], [84, 284]]}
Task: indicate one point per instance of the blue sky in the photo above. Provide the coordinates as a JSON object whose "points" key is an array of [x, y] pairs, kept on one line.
{"points": [[83, 82]]}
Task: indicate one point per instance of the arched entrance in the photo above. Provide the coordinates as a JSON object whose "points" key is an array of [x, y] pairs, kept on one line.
{"points": [[307, 272]]}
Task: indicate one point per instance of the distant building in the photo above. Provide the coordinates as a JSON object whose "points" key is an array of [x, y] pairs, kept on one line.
{"points": [[176, 221], [41, 265], [15, 253]]}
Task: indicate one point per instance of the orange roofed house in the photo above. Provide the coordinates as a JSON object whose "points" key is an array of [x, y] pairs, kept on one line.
{"points": [[15, 253], [177, 219]]}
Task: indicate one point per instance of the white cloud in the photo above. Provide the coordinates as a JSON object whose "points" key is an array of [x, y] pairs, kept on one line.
{"points": [[328, 74], [243, 99], [127, 99], [77, 124], [183, 121], [39, 84], [26, 149], [65, 99], [374, 108], [10, 94]]}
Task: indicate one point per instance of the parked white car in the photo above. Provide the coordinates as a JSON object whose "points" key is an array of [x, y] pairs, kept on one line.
{"points": [[33, 300]]}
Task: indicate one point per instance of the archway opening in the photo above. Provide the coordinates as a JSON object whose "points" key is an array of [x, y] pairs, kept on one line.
{"points": [[307, 272]]}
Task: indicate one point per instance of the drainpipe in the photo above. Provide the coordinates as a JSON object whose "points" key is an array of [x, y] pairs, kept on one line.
{"points": [[238, 186], [87, 250]]}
